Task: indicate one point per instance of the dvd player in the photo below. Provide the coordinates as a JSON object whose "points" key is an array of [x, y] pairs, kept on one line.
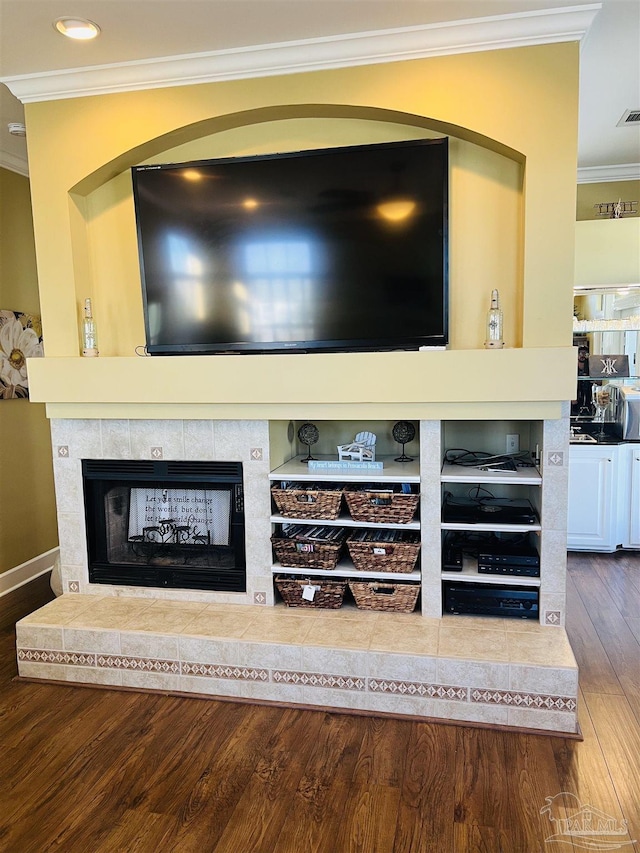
{"points": [[487, 510]]}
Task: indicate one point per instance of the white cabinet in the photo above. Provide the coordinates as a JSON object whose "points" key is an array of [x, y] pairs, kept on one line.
{"points": [[592, 521], [629, 465]]}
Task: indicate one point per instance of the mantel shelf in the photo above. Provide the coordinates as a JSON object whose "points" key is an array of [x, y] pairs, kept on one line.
{"points": [[380, 384]]}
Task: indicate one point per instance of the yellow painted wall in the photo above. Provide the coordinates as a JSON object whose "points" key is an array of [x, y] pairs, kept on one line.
{"points": [[80, 151], [27, 503], [608, 252], [603, 193]]}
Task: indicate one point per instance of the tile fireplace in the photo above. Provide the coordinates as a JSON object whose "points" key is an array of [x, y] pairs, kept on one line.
{"points": [[206, 640]]}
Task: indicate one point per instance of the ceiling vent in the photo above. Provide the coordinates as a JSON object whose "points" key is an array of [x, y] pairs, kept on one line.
{"points": [[629, 117]]}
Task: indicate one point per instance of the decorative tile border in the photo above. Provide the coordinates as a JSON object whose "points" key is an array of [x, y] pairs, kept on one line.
{"points": [[532, 701], [138, 664], [359, 684], [215, 670], [419, 688], [319, 679], [62, 658]]}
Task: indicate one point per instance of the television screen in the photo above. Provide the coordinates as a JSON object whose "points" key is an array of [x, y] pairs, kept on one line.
{"points": [[341, 249]]}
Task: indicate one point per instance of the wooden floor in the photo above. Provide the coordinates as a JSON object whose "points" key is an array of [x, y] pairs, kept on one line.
{"points": [[86, 770]]}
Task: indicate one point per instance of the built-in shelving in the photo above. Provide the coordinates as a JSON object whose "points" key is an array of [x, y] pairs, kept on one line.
{"points": [[525, 476], [295, 470]]}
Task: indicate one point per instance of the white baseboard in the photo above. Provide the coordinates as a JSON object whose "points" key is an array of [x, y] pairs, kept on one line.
{"points": [[19, 575]]}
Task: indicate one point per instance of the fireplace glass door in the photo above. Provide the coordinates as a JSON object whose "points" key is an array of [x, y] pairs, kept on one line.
{"points": [[165, 524]]}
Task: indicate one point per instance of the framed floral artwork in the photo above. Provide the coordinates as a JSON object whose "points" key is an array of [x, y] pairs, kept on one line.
{"points": [[20, 339]]}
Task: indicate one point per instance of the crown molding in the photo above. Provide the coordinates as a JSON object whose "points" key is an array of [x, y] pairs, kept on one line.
{"points": [[496, 32], [606, 174], [13, 163]]}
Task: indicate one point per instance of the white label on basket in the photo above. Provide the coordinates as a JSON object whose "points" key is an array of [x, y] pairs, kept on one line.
{"points": [[381, 551], [304, 547], [309, 591]]}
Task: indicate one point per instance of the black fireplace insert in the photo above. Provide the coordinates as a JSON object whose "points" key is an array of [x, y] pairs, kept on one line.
{"points": [[165, 524]]}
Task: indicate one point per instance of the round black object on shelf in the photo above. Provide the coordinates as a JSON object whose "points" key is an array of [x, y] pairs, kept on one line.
{"points": [[403, 432], [308, 434]]}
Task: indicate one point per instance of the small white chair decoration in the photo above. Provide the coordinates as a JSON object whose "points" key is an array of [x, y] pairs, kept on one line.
{"points": [[361, 449]]}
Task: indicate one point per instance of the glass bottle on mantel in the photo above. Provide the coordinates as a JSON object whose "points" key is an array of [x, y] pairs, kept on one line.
{"points": [[89, 332], [494, 324]]}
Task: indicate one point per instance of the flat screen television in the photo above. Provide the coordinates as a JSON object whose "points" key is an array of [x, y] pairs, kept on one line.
{"points": [[341, 249]]}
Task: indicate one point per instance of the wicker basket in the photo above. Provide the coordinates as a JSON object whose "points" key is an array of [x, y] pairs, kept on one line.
{"points": [[378, 505], [398, 597], [329, 594], [312, 502], [375, 555], [305, 553]]}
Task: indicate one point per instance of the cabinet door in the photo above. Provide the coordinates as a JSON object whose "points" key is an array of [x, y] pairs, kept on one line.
{"points": [[634, 509], [591, 520]]}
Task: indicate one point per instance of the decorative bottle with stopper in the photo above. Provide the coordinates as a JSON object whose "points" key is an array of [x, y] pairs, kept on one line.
{"points": [[494, 324], [89, 332]]}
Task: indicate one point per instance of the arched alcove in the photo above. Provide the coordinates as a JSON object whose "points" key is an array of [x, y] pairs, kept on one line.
{"points": [[486, 185]]}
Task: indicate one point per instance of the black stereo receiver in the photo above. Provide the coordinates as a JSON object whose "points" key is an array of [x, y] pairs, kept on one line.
{"points": [[479, 599], [510, 555]]}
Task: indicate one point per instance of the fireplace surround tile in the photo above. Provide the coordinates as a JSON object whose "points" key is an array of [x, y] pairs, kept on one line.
{"points": [[90, 675], [464, 711], [271, 655], [73, 545], [344, 634], [116, 439], [150, 646], [209, 686], [217, 623], [67, 475], [234, 439], [487, 674], [167, 617], [540, 649], [198, 440], [307, 670], [60, 611], [83, 436], [210, 650], [167, 434], [409, 638], [39, 637], [401, 667], [285, 632], [541, 679], [339, 662], [473, 643], [151, 680], [83, 640]]}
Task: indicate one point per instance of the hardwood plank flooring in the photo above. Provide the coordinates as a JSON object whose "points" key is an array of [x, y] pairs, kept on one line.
{"points": [[95, 771]]}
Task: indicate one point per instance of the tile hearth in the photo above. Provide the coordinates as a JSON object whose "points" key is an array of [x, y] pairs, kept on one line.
{"points": [[485, 670]]}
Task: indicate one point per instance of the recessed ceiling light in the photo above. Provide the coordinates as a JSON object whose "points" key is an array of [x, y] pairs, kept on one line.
{"points": [[77, 28]]}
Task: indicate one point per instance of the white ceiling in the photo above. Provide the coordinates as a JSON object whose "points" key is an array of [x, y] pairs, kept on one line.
{"points": [[222, 37]]}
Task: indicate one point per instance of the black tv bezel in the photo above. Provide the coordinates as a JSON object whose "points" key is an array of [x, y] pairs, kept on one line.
{"points": [[437, 341]]}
